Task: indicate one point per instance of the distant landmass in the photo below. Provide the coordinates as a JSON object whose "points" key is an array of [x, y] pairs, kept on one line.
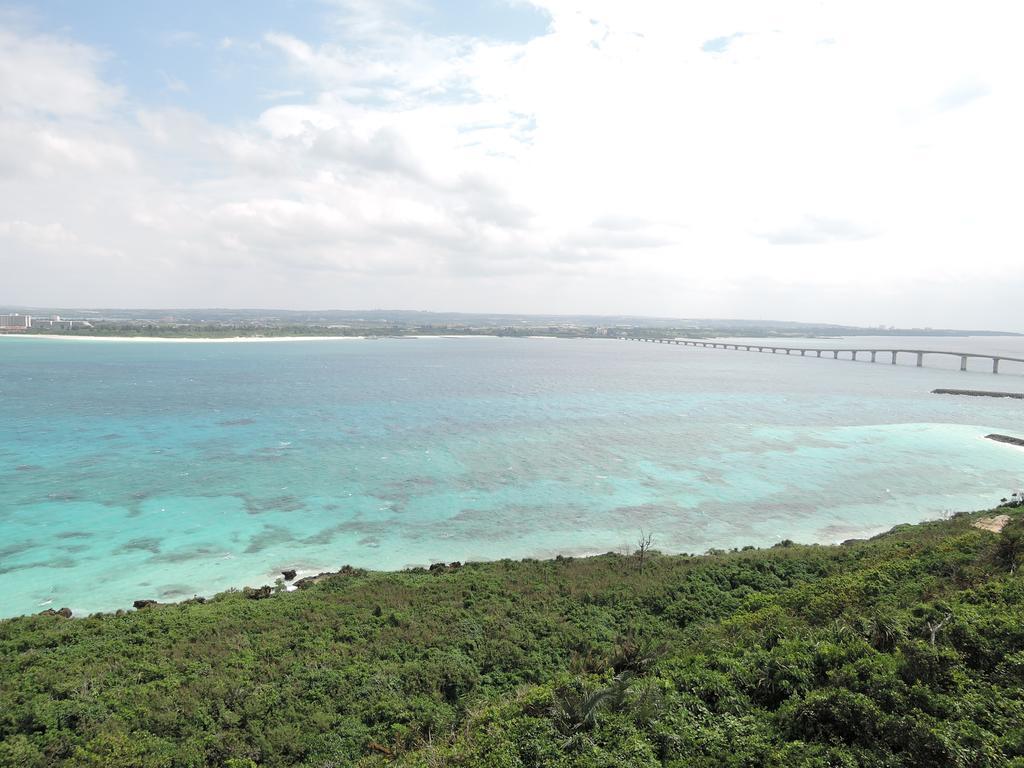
{"points": [[281, 322]]}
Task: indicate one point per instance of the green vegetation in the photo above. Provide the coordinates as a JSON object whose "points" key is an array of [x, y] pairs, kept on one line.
{"points": [[906, 650], [231, 331], [199, 331]]}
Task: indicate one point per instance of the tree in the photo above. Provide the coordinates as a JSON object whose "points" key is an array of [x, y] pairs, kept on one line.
{"points": [[643, 547], [935, 627], [1011, 544]]}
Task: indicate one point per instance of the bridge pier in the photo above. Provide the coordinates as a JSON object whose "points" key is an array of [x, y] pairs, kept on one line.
{"points": [[818, 352]]}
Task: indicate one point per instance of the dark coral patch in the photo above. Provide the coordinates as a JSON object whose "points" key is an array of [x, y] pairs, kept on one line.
{"points": [[285, 503], [236, 422], [140, 545], [268, 537]]}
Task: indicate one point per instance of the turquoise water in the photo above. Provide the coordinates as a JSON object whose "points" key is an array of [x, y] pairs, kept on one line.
{"points": [[161, 470]]}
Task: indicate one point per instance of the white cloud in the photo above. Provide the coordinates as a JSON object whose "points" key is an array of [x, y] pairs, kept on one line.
{"points": [[174, 84], [684, 159], [40, 74], [815, 230]]}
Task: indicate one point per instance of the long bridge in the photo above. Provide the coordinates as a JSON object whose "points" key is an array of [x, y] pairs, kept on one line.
{"points": [[835, 352]]}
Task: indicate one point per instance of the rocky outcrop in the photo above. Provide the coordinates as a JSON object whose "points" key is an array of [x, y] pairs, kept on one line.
{"points": [[140, 604], [1006, 439], [309, 581], [345, 570], [65, 612], [288, 574], [978, 393], [258, 594], [438, 568]]}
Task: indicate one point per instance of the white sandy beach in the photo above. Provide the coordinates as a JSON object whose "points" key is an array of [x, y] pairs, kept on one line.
{"points": [[235, 339], [178, 340]]}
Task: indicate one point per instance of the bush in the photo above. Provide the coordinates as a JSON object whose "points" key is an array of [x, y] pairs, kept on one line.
{"points": [[790, 656]]}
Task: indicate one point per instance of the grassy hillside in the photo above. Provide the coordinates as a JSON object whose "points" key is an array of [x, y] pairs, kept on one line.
{"points": [[906, 650]]}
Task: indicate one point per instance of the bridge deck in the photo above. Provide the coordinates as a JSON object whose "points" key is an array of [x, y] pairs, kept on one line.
{"points": [[836, 351]]}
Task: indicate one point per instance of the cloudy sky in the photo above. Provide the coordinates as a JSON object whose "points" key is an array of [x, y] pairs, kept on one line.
{"points": [[845, 162]]}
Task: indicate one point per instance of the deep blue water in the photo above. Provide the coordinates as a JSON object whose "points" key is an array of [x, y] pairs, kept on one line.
{"points": [[159, 469]]}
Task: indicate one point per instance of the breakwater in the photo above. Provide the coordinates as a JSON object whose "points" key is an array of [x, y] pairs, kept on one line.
{"points": [[1007, 439], [978, 393]]}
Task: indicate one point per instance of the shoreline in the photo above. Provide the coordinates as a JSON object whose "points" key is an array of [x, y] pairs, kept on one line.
{"points": [[861, 534], [248, 339], [176, 339], [264, 585], [512, 647]]}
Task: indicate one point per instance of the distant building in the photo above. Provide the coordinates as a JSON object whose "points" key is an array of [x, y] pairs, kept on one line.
{"points": [[58, 322], [15, 322]]}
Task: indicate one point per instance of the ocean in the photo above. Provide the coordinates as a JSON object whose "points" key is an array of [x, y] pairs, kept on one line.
{"points": [[162, 470]]}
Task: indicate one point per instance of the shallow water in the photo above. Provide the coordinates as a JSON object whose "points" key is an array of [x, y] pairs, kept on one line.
{"points": [[162, 470]]}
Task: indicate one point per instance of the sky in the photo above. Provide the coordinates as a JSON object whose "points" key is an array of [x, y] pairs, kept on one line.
{"points": [[828, 162]]}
